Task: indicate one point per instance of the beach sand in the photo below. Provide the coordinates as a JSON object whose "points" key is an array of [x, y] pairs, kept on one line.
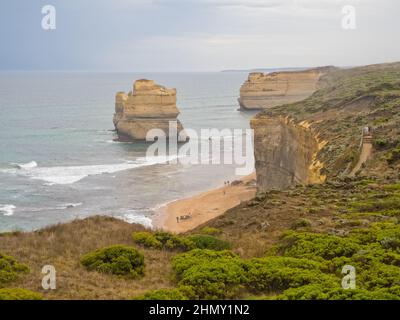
{"points": [[204, 207]]}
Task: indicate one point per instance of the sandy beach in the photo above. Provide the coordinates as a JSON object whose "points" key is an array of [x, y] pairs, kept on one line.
{"points": [[204, 207]]}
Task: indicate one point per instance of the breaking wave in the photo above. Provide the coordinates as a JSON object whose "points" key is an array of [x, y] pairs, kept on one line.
{"points": [[7, 209], [72, 174]]}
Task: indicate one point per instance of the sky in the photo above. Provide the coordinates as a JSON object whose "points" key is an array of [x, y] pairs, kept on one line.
{"points": [[196, 35]]}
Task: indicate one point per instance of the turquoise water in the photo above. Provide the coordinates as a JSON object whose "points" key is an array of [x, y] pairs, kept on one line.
{"points": [[58, 160]]}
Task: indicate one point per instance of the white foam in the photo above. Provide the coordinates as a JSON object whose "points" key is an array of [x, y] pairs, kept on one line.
{"points": [[72, 174], [139, 219], [69, 205], [28, 165], [7, 209]]}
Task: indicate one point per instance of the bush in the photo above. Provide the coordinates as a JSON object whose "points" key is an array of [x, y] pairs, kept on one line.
{"points": [[387, 234], [184, 261], [146, 239], [210, 274], [19, 294], [211, 231], [118, 260], [302, 223], [312, 245], [214, 280], [321, 292], [273, 274], [379, 276], [394, 156], [203, 241], [10, 269], [163, 240], [377, 205]]}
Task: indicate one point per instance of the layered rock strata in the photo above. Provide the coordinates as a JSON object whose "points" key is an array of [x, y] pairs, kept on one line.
{"points": [[263, 91], [148, 106], [285, 153]]}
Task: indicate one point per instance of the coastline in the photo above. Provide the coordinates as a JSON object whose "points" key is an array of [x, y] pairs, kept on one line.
{"points": [[203, 207]]}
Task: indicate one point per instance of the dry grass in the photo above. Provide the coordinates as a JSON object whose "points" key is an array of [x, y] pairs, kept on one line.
{"points": [[63, 246]]}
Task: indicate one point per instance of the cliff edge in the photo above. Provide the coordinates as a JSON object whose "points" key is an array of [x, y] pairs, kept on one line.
{"points": [[264, 91], [148, 106]]}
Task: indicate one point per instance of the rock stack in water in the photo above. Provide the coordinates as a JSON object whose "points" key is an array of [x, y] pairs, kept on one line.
{"points": [[263, 91], [148, 106]]}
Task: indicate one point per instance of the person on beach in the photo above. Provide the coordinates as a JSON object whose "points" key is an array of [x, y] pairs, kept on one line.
{"points": [[177, 219]]}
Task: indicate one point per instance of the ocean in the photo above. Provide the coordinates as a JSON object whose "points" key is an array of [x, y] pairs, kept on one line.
{"points": [[59, 160]]}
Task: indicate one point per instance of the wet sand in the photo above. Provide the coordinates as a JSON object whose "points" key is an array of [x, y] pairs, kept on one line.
{"points": [[204, 207]]}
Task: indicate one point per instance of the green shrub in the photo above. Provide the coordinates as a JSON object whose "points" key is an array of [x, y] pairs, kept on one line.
{"points": [[146, 239], [19, 294], [163, 240], [219, 279], [179, 243], [272, 274], [118, 260], [10, 269], [210, 274], [202, 241], [302, 223], [381, 144], [312, 245], [387, 234], [394, 156], [322, 292], [379, 276], [211, 231], [184, 261], [376, 204]]}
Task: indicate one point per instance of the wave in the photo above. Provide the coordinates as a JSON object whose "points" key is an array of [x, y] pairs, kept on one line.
{"points": [[7, 209], [69, 205], [72, 174], [139, 219], [28, 165]]}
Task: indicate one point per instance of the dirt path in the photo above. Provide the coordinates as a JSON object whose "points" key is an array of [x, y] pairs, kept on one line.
{"points": [[366, 152]]}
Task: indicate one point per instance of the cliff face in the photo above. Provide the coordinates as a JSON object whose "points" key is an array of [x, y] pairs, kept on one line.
{"points": [[147, 106], [285, 153], [319, 138], [263, 91]]}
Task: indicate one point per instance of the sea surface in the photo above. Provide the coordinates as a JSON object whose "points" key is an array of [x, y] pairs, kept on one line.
{"points": [[59, 160]]}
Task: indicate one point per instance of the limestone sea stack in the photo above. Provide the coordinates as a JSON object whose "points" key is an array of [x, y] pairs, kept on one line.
{"points": [[148, 106], [264, 91]]}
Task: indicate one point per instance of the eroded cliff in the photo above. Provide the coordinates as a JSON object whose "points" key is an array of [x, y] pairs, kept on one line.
{"points": [[148, 106], [321, 137], [285, 152], [263, 91]]}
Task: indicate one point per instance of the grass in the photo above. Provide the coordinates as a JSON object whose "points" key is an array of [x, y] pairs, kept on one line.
{"points": [[64, 245]]}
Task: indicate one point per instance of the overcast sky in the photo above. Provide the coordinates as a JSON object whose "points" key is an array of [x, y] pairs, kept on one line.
{"points": [[196, 35]]}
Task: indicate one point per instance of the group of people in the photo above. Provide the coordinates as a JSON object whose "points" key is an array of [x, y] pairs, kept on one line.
{"points": [[185, 217]]}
